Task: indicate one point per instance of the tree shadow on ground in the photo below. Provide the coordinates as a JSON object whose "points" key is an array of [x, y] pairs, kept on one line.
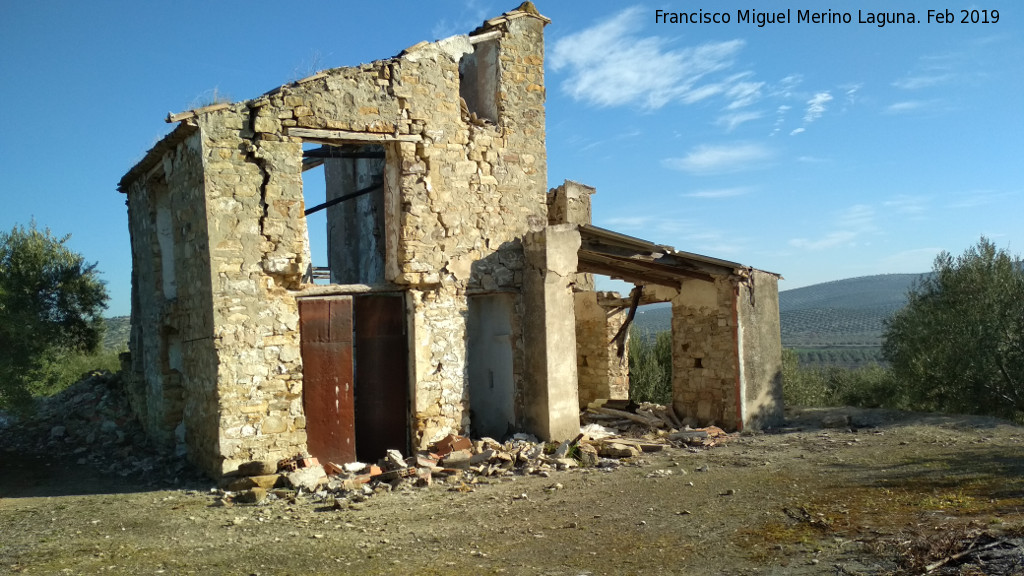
{"points": [[33, 475]]}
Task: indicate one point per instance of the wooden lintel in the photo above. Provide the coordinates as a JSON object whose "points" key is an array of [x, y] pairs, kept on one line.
{"points": [[327, 290], [317, 76], [341, 136], [172, 118], [337, 152], [493, 34]]}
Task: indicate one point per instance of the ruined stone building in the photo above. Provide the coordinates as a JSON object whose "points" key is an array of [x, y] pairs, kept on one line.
{"points": [[455, 293]]}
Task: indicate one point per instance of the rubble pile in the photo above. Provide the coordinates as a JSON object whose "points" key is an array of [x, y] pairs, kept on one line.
{"points": [[92, 424], [458, 463]]}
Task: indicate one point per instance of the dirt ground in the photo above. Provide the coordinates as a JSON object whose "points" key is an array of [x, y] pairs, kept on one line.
{"points": [[890, 494]]}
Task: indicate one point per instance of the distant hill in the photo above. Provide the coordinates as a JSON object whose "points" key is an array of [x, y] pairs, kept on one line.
{"points": [[844, 312], [116, 335], [839, 322], [654, 318]]}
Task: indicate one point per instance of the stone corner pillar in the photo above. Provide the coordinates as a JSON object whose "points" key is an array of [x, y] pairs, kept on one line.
{"points": [[551, 396]]}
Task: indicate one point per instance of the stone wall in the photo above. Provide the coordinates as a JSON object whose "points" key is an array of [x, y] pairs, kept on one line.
{"points": [[602, 373], [704, 353], [761, 352], [258, 250], [460, 194], [172, 368], [570, 203]]}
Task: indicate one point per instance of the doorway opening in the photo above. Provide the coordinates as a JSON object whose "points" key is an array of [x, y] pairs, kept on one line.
{"points": [[489, 355], [355, 376]]}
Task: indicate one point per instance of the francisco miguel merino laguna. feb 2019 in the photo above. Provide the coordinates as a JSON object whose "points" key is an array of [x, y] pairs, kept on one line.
{"points": [[879, 19]]}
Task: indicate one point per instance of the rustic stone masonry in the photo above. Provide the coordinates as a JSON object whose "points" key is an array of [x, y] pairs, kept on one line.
{"points": [[435, 167], [726, 360], [602, 372], [461, 188], [599, 316]]}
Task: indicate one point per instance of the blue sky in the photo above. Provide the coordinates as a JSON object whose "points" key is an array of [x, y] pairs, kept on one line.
{"points": [[817, 151]]}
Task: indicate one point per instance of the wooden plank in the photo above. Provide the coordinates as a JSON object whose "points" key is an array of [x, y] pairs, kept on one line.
{"points": [[172, 118], [642, 446], [646, 421], [492, 35], [334, 136], [310, 163], [658, 265], [593, 263]]}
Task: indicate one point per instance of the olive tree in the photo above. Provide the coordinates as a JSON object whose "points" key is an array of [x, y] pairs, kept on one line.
{"points": [[51, 303], [958, 345]]}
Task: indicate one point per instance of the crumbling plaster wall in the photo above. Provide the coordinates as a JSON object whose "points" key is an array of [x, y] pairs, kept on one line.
{"points": [[172, 369], [570, 203], [551, 374], [761, 353]]}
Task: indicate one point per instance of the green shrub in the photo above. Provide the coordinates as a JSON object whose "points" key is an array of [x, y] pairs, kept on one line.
{"points": [[870, 386], [58, 372], [958, 346], [650, 367]]}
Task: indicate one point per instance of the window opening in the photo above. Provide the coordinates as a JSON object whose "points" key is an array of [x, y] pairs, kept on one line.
{"points": [[478, 80], [345, 212]]}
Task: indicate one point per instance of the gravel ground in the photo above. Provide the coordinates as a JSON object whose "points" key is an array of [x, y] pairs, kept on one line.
{"points": [[884, 493]]}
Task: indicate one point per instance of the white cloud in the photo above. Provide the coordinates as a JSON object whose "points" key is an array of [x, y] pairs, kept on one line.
{"points": [[702, 93], [859, 217], [609, 65], [851, 91], [907, 106], [743, 93], [816, 106], [719, 192], [848, 225], [909, 261], [812, 159], [731, 121], [907, 205], [711, 159], [922, 81], [630, 222], [679, 232], [976, 198], [798, 131], [787, 86], [470, 16], [780, 118]]}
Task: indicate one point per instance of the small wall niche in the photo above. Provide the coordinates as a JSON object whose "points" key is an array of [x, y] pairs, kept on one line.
{"points": [[165, 241]]}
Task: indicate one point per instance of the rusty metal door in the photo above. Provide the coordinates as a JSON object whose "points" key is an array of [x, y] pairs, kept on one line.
{"points": [[382, 375], [328, 385]]}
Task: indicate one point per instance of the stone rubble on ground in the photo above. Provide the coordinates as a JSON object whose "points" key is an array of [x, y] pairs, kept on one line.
{"points": [[91, 422], [458, 463]]}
